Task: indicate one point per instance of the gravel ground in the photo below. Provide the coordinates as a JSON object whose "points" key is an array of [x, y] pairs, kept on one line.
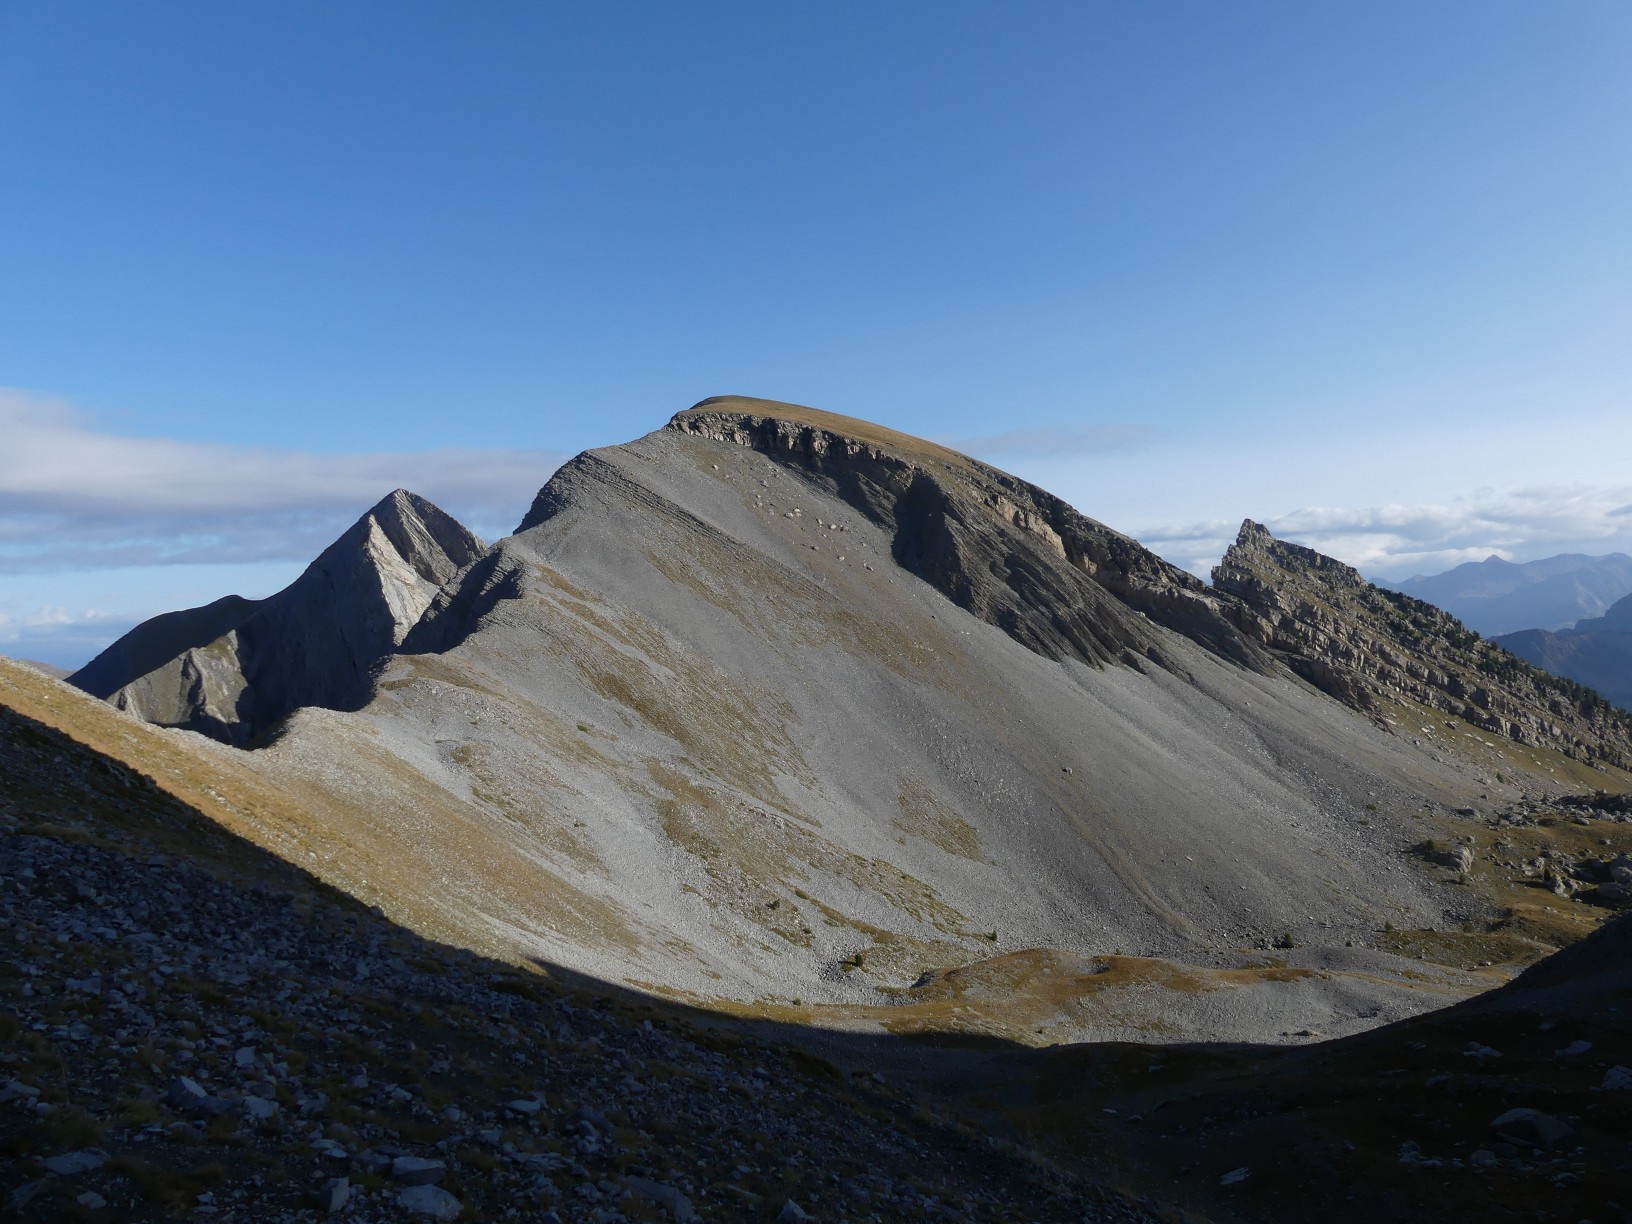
{"points": [[190, 1026]]}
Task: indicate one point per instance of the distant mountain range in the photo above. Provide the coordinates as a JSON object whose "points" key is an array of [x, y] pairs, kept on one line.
{"points": [[1597, 652], [1494, 596]]}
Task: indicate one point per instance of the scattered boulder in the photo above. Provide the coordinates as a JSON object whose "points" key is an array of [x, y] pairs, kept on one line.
{"points": [[432, 1201], [1457, 858], [259, 1109], [417, 1171], [1610, 896], [70, 1163], [16, 1090], [665, 1196], [1532, 1127], [187, 1096], [374, 1161], [334, 1195], [1618, 1079]]}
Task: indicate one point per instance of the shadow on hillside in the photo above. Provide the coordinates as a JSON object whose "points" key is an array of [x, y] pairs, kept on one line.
{"points": [[1320, 1128]]}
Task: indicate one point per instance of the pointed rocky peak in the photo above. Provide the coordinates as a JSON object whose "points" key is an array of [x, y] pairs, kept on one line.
{"points": [[427, 539], [235, 669], [1379, 650], [1011, 553], [1256, 550]]}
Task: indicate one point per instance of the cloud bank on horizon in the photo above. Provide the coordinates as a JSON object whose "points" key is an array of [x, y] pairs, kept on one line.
{"points": [[75, 497], [1392, 542], [100, 530]]}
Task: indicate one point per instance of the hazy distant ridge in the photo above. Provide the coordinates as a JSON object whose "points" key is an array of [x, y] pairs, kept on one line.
{"points": [[1495, 596]]}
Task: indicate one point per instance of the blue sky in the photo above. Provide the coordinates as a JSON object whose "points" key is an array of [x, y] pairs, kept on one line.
{"points": [[1360, 271]]}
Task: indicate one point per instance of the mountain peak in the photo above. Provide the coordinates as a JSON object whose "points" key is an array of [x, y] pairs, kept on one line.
{"points": [[236, 667], [1376, 649], [424, 536]]}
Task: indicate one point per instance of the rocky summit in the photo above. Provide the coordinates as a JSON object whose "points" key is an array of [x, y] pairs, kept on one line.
{"points": [[1374, 649], [773, 753], [234, 668]]}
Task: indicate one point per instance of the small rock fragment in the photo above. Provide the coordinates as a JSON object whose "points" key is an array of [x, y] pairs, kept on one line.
{"points": [[334, 1195], [670, 1199], [432, 1201], [1235, 1176], [1531, 1126], [416, 1170], [70, 1163]]}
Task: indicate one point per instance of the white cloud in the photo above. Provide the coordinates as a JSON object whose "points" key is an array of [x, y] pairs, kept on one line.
{"points": [[1391, 497], [73, 496], [1396, 541]]}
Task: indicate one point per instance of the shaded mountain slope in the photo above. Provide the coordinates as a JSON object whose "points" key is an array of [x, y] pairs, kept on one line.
{"points": [[156, 642], [1059, 582], [234, 668], [1401, 1123], [1494, 596]]}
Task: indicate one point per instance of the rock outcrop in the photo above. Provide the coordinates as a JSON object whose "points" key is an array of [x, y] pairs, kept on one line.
{"points": [[235, 668], [1055, 580], [155, 642], [1368, 646]]}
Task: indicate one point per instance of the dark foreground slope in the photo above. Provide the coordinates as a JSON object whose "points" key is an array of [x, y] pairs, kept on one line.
{"points": [[1413, 1123], [152, 951], [189, 1025]]}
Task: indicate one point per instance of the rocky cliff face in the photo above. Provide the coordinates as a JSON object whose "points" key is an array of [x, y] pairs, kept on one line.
{"points": [[1015, 556], [1368, 646], [312, 644]]}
